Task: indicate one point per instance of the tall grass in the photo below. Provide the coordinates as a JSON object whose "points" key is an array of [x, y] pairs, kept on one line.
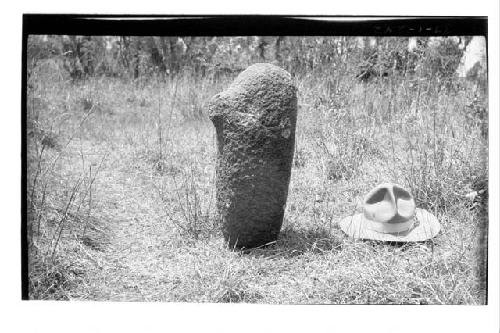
{"points": [[60, 193]]}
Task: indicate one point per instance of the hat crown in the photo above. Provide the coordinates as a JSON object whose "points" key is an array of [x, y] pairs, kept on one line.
{"points": [[389, 203]]}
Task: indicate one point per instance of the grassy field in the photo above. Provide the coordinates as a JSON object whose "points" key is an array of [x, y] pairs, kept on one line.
{"points": [[121, 193]]}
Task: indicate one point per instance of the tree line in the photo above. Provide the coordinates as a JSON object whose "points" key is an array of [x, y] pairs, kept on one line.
{"points": [[136, 56]]}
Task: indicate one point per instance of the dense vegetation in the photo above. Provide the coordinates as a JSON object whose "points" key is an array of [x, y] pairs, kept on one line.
{"points": [[121, 170]]}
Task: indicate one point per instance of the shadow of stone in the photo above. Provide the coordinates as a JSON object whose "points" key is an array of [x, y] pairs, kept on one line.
{"points": [[296, 242]]}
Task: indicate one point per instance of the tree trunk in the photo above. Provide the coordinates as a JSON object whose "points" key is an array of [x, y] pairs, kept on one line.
{"points": [[277, 49]]}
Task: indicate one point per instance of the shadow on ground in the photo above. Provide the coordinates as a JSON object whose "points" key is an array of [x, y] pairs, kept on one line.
{"points": [[295, 242]]}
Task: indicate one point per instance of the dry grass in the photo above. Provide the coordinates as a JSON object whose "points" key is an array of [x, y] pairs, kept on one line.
{"points": [[123, 199]]}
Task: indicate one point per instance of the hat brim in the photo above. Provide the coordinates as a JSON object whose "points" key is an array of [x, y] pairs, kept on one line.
{"points": [[426, 226]]}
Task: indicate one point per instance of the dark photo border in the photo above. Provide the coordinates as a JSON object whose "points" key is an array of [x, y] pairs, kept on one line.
{"points": [[221, 25]]}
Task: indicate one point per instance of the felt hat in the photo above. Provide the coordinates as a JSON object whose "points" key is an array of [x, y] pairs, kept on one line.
{"points": [[389, 214]]}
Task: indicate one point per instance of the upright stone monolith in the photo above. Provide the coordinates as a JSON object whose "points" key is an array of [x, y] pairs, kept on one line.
{"points": [[255, 123]]}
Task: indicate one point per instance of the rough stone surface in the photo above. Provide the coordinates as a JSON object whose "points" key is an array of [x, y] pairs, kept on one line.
{"points": [[255, 122]]}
